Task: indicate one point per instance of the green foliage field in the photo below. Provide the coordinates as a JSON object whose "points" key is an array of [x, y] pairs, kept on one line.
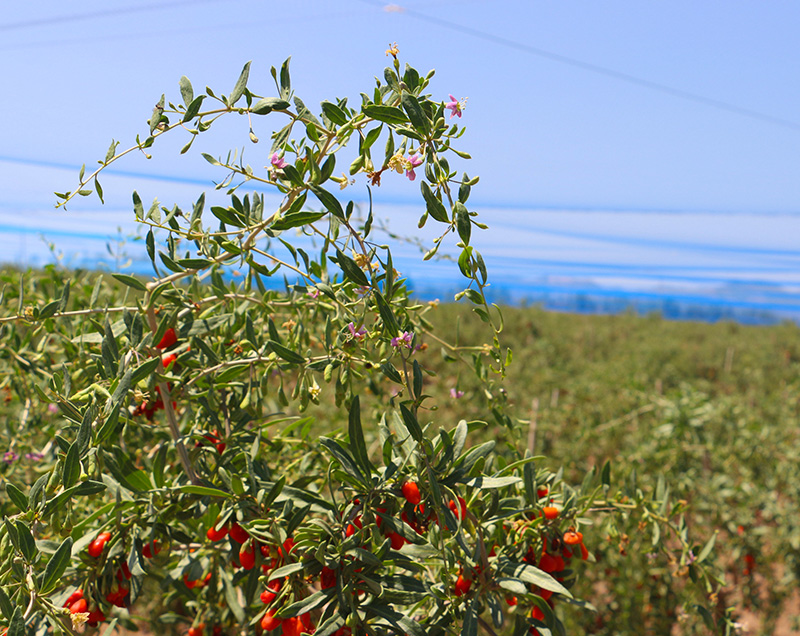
{"points": [[713, 408], [706, 412]]}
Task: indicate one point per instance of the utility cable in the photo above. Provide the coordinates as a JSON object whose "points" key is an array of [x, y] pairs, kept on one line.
{"points": [[588, 66]]}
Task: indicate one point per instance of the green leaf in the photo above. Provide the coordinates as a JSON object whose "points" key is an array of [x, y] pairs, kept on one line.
{"points": [[434, 206], [343, 457], [49, 309], [205, 491], [707, 549], [334, 113], [470, 626], [62, 303], [232, 598], [109, 426], [112, 150], [144, 370], [605, 475], [286, 570], [194, 263], [87, 487], [169, 263], [37, 491], [286, 82], [241, 84], [357, 444], [72, 466], [485, 483], [287, 354], [418, 379], [155, 118], [150, 243], [130, 281], [298, 219], [391, 372], [193, 108], [17, 625], [708, 619], [293, 174], [6, 607], [56, 566], [400, 621], [463, 223], [534, 576], [410, 420], [330, 202], [390, 323], [266, 105], [414, 111], [307, 604], [27, 544], [187, 92], [121, 391], [387, 114], [17, 497], [351, 269]]}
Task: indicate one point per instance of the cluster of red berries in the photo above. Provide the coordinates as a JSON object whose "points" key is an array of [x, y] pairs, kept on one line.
{"points": [[555, 558], [77, 604], [149, 408], [248, 551]]}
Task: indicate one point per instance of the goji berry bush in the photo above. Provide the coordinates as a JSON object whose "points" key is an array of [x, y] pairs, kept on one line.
{"points": [[243, 442]]}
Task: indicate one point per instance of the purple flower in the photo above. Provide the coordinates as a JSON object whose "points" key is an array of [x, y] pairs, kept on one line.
{"points": [[314, 293], [455, 107], [403, 340], [10, 457], [455, 393], [52, 408], [35, 457], [277, 161], [413, 162], [356, 334]]}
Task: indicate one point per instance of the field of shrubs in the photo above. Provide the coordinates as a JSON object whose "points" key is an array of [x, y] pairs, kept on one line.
{"points": [[272, 435]]}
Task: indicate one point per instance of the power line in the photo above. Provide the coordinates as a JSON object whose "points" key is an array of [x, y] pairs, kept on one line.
{"points": [[160, 33], [79, 17], [592, 68]]}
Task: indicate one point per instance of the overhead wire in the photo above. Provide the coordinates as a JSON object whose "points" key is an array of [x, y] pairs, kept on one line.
{"points": [[587, 66], [92, 15]]}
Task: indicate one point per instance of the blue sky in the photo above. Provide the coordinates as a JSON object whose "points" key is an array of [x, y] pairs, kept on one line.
{"points": [[613, 133]]}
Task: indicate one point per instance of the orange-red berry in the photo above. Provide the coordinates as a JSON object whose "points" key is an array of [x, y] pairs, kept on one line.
{"points": [[550, 512], [460, 509], [169, 338], [573, 538], [97, 546], [239, 534], [411, 492], [247, 555], [217, 534], [463, 585], [271, 593], [269, 622], [150, 550]]}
